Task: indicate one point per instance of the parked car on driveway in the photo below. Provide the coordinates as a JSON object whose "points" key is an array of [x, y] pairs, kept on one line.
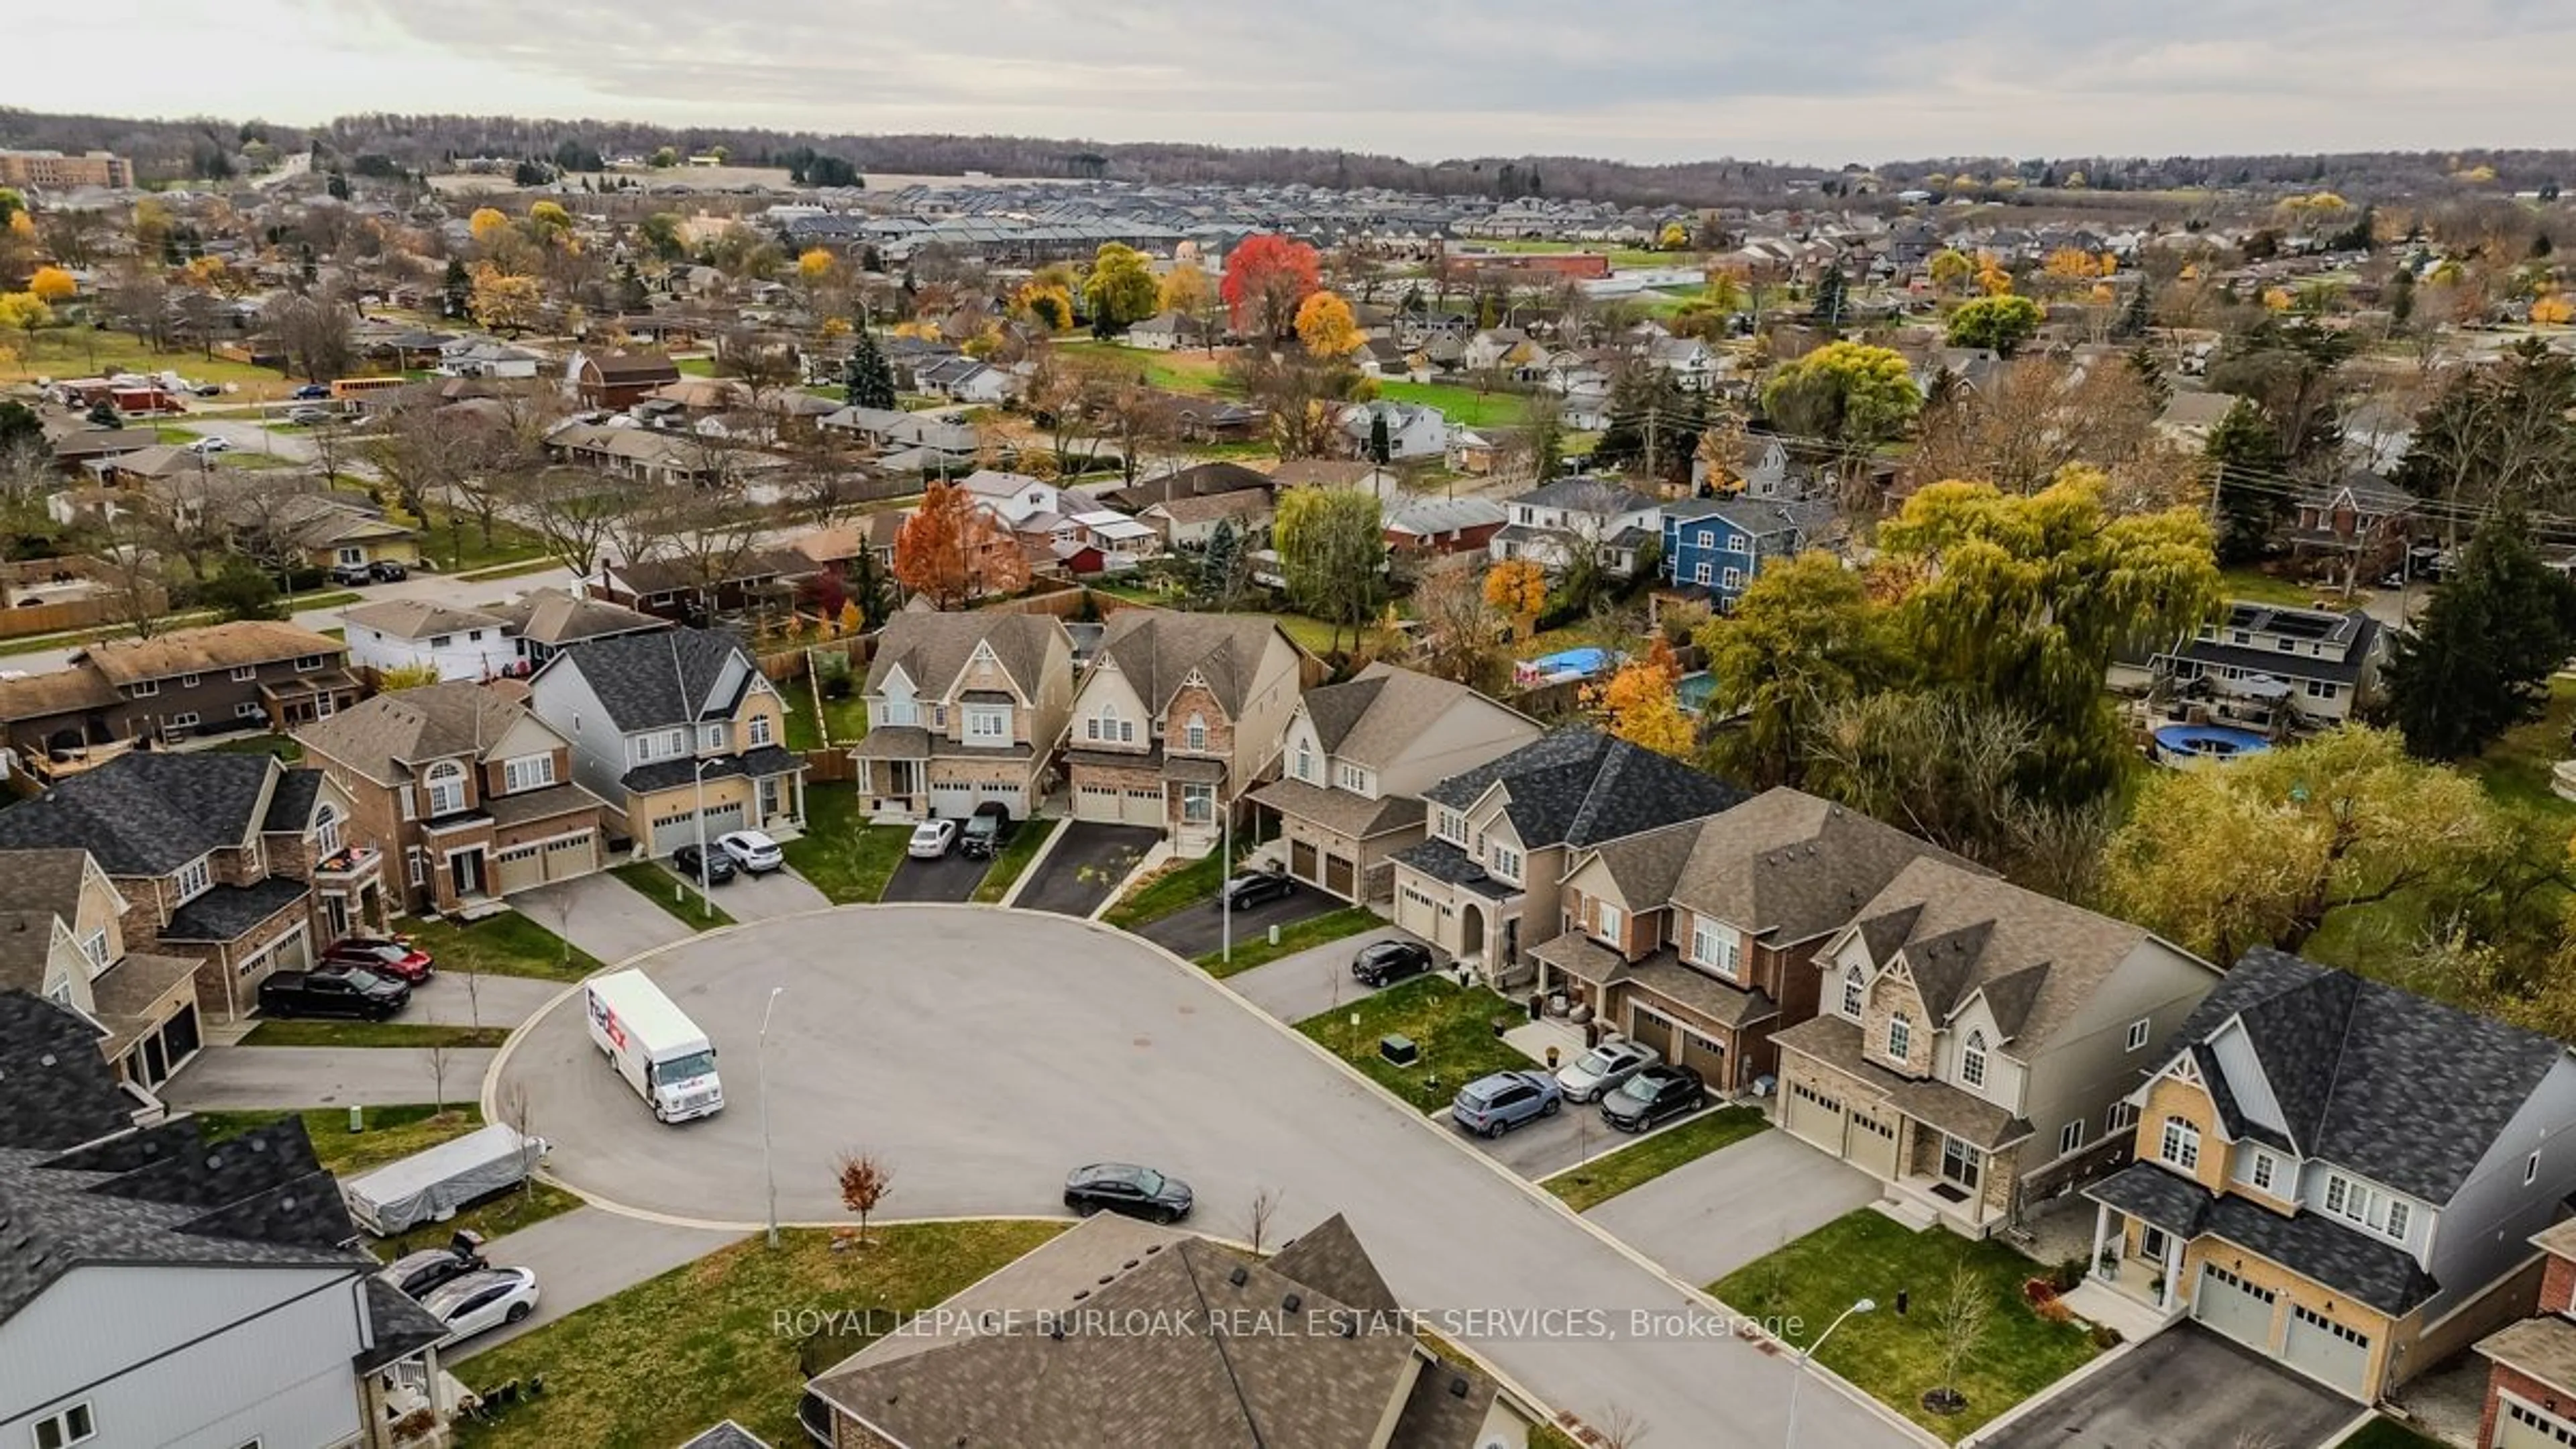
{"points": [[1250, 888], [1491, 1106], [1651, 1096], [1381, 962], [417, 1273], [482, 1300], [1123, 1187], [353, 992], [386, 958], [388, 571], [986, 832], [931, 839], [1604, 1067], [308, 415], [210, 444], [755, 852], [351, 575], [717, 865]]}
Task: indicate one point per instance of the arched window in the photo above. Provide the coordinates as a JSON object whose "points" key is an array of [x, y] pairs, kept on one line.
{"points": [[1900, 1036], [1852, 993], [1972, 1060], [1195, 733], [446, 784], [326, 830], [1306, 761]]}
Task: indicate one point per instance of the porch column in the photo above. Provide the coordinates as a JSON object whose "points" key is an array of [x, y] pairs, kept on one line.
{"points": [[2173, 1269], [2101, 1235], [798, 782]]}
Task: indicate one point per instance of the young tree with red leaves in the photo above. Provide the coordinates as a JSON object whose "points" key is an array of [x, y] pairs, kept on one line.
{"points": [[1266, 279], [953, 551]]}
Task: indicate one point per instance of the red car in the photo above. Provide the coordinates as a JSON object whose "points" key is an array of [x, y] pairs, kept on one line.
{"points": [[398, 959]]}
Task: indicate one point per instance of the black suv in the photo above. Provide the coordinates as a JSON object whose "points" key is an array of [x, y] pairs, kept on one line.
{"points": [[1252, 887], [1381, 962], [986, 832], [719, 866], [1651, 1096], [347, 991]]}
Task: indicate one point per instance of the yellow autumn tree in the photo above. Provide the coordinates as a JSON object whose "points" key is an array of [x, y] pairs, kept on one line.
{"points": [[1186, 290], [814, 264], [1050, 306], [1951, 267], [550, 223], [2277, 299], [502, 302], [1326, 326], [2069, 264], [2553, 310], [1640, 704], [1992, 279], [53, 284], [1673, 237], [485, 224], [1516, 586]]}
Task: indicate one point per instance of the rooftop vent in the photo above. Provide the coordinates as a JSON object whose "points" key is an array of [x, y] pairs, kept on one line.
{"points": [[1238, 1277]]}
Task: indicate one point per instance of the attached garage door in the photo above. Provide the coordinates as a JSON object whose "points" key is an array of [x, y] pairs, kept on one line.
{"points": [[1301, 860], [1098, 803], [1816, 1117], [2234, 1307], [567, 856], [1651, 1027], [673, 831], [518, 868], [2520, 1425], [1703, 1055], [953, 802], [1873, 1144], [1142, 807], [1417, 913], [2327, 1351], [1338, 876]]}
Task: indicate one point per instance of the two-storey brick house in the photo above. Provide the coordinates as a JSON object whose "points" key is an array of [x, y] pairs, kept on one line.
{"points": [[252, 674], [678, 731], [62, 937], [1973, 1041], [2531, 1365], [464, 788], [963, 709], [1359, 755], [1484, 886], [234, 860], [2342, 1176], [1699, 939], [1179, 716]]}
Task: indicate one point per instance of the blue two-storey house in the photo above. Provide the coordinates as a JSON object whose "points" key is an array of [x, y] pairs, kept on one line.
{"points": [[1715, 546]]}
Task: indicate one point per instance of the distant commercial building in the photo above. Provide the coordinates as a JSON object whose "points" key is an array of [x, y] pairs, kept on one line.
{"points": [[54, 171]]}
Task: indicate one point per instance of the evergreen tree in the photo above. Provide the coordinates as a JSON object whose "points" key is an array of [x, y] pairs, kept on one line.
{"points": [[2138, 316], [2246, 448], [2401, 296], [2479, 661], [869, 381], [1381, 447], [454, 290], [2150, 373], [103, 414], [1654, 425], [1217, 567], [1829, 300]]}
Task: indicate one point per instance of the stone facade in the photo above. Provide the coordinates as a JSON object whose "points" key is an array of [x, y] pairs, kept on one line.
{"points": [[1890, 994]]}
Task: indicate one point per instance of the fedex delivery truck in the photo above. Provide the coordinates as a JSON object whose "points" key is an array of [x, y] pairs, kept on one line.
{"points": [[654, 1046]]}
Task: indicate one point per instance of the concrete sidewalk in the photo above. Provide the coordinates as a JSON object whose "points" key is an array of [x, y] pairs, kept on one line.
{"points": [[602, 915], [584, 1256], [232, 1078]]}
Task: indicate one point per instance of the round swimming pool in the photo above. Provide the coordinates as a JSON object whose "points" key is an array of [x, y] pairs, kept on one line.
{"points": [[2184, 746]]}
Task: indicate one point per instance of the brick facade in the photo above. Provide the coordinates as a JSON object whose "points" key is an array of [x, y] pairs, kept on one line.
{"points": [[1888, 995]]}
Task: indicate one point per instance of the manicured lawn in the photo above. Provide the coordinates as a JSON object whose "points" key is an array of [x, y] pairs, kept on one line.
{"points": [[1897, 1357], [391, 1132], [508, 944], [1186, 372], [674, 893], [663, 1360], [372, 1034], [1254, 949], [846, 858], [1613, 1173], [2516, 769], [802, 734], [1177, 885], [695, 366], [2389, 1434], [2255, 586], [1463, 405], [454, 541], [1014, 860], [1450, 1027]]}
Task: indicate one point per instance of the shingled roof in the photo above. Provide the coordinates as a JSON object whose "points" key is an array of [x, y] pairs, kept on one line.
{"points": [[552, 616], [145, 813], [60, 1090], [647, 681], [933, 648], [381, 736], [417, 618], [1791, 867], [1579, 786], [204, 651], [1372, 718], [2345, 1059], [1158, 649]]}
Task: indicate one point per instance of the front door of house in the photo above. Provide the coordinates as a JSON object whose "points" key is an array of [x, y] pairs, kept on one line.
{"points": [[768, 800], [1959, 1163], [465, 869]]}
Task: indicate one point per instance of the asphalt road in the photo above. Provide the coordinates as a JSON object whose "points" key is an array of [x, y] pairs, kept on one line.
{"points": [[1090, 1046], [451, 999], [1195, 930], [2185, 1386], [230, 1078], [952, 877], [1088, 862]]}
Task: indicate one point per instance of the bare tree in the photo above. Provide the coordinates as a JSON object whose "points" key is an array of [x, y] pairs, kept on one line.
{"points": [[314, 332], [438, 1058], [1618, 1427], [123, 540], [572, 511], [518, 1110], [865, 1179], [1960, 1326], [1462, 637], [1256, 1219]]}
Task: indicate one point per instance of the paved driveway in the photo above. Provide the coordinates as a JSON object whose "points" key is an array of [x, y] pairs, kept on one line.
{"points": [[1705, 1219], [1088, 862], [1089, 1047], [582, 1257], [1552, 1144], [952, 877], [224, 1079], [2184, 1387], [1196, 930], [1313, 981], [602, 915], [763, 897], [451, 999]]}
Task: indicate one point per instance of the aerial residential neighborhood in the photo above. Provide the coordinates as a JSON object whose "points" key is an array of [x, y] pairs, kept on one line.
{"points": [[813, 770]]}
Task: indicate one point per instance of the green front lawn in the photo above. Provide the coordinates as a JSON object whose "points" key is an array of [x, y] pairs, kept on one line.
{"points": [[845, 857], [1181, 883], [2386, 1433], [673, 892], [1452, 1029], [1014, 860], [1462, 405], [510, 570], [393, 1133], [372, 1034], [2257, 587], [2515, 769], [1613, 1173], [1253, 948], [665, 1359], [508, 944], [1894, 1357], [1187, 371], [453, 540]]}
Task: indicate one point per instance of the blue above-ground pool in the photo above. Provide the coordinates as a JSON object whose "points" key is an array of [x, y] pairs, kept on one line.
{"points": [[1694, 688], [1564, 664], [2184, 747]]}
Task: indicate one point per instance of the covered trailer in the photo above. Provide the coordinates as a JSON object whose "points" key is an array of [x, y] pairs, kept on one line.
{"points": [[430, 1186]]}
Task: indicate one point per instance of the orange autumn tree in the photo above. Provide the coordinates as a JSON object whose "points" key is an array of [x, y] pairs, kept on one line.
{"points": [[1640, 704], [53, 284], [951, 551], [1267, 278], [1517, 588]]}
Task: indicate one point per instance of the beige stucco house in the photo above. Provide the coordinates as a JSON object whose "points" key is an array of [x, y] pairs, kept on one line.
{"points": [[963, 709]]}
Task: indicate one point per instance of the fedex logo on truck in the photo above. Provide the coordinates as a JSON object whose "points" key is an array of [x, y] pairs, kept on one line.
{"points": [[608, 1023]]}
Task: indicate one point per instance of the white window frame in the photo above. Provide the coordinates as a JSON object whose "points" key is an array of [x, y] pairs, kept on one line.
{"points": [[2364, 1206], [760, 732], [1306, 761], [417, 860], [195, 878], [1972, 1060], [1608, 919], [988, 724], [2124, 1115], [245, 673], [249, 709], [307, 663], [1505, 863], [2138, 1031], [1198, 803], [185, 719], [94, 946], [1194, 735], [527, 772], [2070, 1137], [1451, 825], [444, 779], [56, 1430], [1855, 993], [2179, 1145], [717, 736], [2531, 1169], [1354, 778], [143, 689], [1702, 572], [1900, 1036], [326, 830], [2262, 1171], [187, 681]]}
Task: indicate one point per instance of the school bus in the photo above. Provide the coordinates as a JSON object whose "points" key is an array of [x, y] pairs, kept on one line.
{"points": [[349, 387]]}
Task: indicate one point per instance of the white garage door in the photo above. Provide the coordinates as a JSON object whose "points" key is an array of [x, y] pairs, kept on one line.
{"points": [[2234, 1307], [1417, 913], [2327, 1351], [953, 802], [518, 868], [1099, 804], [1143, 807], [1873, 1145], [673, 831], [567, 856], [1816, 1117], [2526, 1426]]}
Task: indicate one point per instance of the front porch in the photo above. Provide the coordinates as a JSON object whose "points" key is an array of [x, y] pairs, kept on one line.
{"points": [[349, 892], [314, 695]]}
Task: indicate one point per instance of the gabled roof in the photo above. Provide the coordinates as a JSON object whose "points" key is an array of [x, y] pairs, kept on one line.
{"points": [[60, 1090], [1790, 867], [381, 737], [932, 649], [1579, 786], [1598, 497], [417, 618], [146, 813], [1372, 718], [651, 681], [203, 651], [2400, 1089], [552, 616], [1157, 650]]}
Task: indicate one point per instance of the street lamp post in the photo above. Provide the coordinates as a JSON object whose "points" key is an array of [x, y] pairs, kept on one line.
{"points": [[760, 1060], [1224, 897], [1798, 1371], [698, 777]]}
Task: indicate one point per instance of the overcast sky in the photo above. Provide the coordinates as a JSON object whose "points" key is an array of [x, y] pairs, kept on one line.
{"points": [[1823, 81]]}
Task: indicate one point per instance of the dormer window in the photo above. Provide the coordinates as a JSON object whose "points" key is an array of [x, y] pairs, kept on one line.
{"points": [[1611, 919], [1351, 777], [1900, 1036], [1972, 1060], [2179, 1144], [715, 737], [1505, 863], [326, 830], [1853, 989]]}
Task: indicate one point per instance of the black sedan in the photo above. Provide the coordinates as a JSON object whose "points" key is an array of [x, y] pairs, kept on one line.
{"points": [[1657, 1094], [1121, 1187], [1382, 962], [718, 866], [1252, 887]]}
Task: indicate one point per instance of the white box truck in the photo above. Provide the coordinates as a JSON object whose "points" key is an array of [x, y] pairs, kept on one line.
{"points": [[654, 1046]]}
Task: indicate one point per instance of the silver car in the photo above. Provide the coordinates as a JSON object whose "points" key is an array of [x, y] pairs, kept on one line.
{"points": [[1603, 1068]]}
